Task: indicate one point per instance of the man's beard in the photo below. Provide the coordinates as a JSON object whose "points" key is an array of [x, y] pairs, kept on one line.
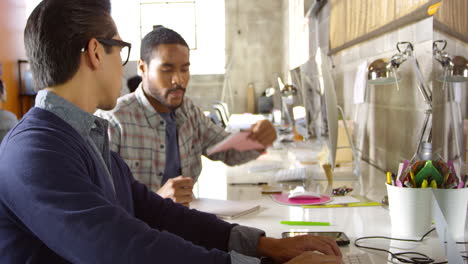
{"points": [[163, 98]]}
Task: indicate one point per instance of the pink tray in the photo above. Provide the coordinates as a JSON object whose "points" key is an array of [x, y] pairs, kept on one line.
{"points": [[282, 198]]}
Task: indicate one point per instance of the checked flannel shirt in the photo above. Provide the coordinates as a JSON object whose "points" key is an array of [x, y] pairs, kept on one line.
{"points": [[137, 133]]}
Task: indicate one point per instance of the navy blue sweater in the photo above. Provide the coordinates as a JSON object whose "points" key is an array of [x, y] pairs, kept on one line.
{"points": [[57, 207]]}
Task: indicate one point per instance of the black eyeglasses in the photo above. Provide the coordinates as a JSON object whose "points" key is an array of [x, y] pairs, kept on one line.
{"points": [[125, 47], [124, 51]]}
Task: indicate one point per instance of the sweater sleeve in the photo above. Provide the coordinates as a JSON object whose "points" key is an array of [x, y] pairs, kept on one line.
{"points": [[48, 190], [163, 214]]}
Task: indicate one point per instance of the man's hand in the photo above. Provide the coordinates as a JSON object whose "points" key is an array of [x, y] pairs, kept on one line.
{"points": [[263, 132], [310, 257], [282, 250], [178, 189]]}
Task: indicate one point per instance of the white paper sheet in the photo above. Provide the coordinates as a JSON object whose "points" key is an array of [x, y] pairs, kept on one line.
{"points": [[239, 141], [226, 209], [343, 199]]}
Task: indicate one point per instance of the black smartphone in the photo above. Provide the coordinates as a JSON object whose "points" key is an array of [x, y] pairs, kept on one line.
{"points": [[340, 237]]}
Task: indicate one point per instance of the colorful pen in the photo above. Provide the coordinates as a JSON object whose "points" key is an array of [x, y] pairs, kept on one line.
{"points": [[461, 183], [413, 180], [357, 204], [433, 184], [394, 178], [403, 171], [398, 183], [424, 184], [389, 178], [305, 223], [445, 179]]}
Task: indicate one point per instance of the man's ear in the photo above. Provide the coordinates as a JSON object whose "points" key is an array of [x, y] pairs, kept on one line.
{"points": [[142, 67], [94, 53]]}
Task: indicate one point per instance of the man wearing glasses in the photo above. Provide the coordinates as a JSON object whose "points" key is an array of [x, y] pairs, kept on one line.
{"points": [[66, 198], [159, 132]]}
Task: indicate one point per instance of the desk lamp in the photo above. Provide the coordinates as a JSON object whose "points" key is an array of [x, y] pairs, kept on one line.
{"points": [[455, 70], [384, 71], [287, 93]]}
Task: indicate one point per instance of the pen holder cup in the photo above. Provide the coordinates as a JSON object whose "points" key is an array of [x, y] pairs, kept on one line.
{"points": [[410, 211], [453, 204]]}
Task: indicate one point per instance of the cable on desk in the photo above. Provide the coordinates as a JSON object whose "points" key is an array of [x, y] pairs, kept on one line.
{"points": [[405, 257]]}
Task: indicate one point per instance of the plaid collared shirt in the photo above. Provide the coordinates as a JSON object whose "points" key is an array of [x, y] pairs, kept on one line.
{"points": [[137, 132]]}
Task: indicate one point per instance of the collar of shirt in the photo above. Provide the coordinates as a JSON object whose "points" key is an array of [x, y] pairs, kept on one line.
{"points": [[170, 117], [80, 120], [153, 117], [92, 128]]}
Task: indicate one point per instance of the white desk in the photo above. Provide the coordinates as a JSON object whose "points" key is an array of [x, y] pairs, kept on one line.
{"points": [[355, 222]]}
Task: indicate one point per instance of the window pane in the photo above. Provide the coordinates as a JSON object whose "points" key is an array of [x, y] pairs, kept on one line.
{"points": [[179, 16], [203, 28]]}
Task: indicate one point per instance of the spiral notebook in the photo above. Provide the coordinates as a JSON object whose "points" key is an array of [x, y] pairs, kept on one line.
{"points": [[225, 209]]}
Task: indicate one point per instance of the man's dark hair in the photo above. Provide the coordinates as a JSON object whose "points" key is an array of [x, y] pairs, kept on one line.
{"points": [[57, 31], [133, 82], [159, 35]]}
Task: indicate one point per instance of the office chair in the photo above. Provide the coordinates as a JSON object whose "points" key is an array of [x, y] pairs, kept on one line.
{"points": [[222, 112], [215, 117]]}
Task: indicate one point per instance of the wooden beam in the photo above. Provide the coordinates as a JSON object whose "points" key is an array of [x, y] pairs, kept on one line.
{"points": [[415, 16], [447, 30]]}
